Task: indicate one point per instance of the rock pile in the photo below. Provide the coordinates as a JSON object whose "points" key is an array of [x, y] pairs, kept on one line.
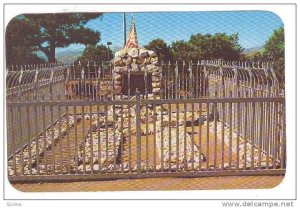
{"points": [[136, 60], [102, 145], [37, 146], [109, 139], [239, 142], [101, 150], [177, 148]]}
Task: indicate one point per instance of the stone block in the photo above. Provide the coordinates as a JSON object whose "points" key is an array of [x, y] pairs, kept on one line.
{"points": [[156, 90], [121, 54], [154, 60], [153, 69], [152, 53], [155, 78], [117, 89], [155, 73], [117, 77], [140, 60], [156, 84], [143, 68], [133, 52], [143, 53], [118, 61], [147, 60], [117, 83], [128, 60], [120, 69]]}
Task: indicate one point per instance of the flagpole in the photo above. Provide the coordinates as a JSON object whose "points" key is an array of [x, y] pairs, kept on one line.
{"points": [[124, 28]]}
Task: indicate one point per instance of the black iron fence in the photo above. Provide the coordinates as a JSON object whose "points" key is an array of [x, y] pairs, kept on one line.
{"points": [[211, 118]]}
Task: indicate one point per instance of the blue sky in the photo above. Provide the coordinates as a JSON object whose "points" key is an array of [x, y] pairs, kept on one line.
{"points": [[254, 27]]}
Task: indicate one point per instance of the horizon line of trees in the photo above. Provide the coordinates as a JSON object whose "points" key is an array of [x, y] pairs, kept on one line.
{"points": [[28, 34], [199, 47], [220, 46]]}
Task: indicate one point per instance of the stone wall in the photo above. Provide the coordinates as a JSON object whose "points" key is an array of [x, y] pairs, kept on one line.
{"points": [[138, 60]]}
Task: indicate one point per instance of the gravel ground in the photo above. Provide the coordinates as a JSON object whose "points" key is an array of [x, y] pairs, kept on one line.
{"points": [[110, 154], [205, 183]]}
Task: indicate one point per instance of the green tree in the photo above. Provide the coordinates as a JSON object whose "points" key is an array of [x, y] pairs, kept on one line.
{"points": [[181, 51], [205, 47], [21, 49], [272, 52], [256, 57], [201, 46], [161, 49], [274, 48], [50, 31], [96, 53], [253, 56], [217, 46]]}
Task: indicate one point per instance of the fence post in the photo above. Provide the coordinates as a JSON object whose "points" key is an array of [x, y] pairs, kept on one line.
{"points": [[36, 84], [161, 80], [222, 88], [99, 88], [236, 80], [51, 84], [190, 69], [112, 71], [176, 80], [81, 81], [20, 83], [68, 73], [138, 131], [146, 84], [274, 81], [206, 90], [128, 79]]}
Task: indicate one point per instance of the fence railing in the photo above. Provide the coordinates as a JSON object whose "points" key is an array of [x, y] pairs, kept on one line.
{"points": [[176, 81], [208, 119], [142, 136]]}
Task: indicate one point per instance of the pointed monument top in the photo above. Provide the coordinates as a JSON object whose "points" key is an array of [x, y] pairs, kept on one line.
{"points": [[132, 41]]}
